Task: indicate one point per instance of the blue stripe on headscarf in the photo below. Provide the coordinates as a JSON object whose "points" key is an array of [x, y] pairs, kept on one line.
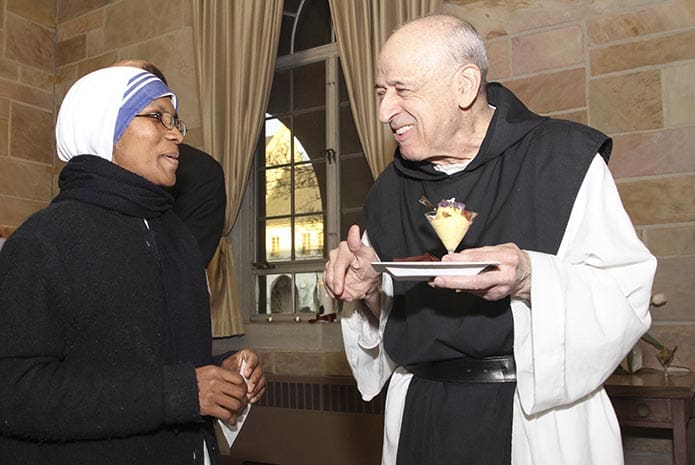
{"points": [[142, 89]]}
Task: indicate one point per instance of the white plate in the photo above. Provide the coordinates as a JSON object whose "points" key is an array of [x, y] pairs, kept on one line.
{"points": [[423, 271]]}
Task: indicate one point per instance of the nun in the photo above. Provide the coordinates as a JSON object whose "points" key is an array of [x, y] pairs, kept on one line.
{"points": [[105, 341]]}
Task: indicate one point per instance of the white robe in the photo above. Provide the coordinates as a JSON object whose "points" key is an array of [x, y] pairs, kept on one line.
{"points": [[589, 306]]}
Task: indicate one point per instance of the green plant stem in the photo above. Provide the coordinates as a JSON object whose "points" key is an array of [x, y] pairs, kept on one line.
{"points": [[648, 338]]}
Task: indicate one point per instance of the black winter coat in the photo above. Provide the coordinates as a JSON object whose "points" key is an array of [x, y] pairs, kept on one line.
{"points": [[103, 318]]}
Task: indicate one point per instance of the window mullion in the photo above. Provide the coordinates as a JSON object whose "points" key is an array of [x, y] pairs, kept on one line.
{"points": [[293, 217], [332, 162]]}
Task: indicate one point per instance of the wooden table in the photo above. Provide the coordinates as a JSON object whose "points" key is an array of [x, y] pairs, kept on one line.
{"points": [[649, 399]]}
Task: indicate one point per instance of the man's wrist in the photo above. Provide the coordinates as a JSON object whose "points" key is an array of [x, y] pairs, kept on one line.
{"points": [[372, 298], [523, 291]]}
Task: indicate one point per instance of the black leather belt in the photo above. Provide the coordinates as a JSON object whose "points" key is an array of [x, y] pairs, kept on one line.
{"points": [[497, 369]]}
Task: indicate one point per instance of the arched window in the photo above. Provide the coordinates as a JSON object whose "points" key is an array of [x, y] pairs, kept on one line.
{"points": [[311, 176]]}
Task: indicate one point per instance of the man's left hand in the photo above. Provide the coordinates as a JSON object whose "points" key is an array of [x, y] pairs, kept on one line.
{"points": [[512, 277], [253, 372]]}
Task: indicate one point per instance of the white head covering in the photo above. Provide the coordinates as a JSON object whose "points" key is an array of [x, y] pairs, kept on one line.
{"points": [[99, 106]]}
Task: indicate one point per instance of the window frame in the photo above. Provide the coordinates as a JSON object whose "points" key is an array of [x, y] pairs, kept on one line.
{"points": [[256, 266]]}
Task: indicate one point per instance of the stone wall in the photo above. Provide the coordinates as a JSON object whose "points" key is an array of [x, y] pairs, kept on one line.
{"points": [[27, 36], [91, 34], [48, 45]]}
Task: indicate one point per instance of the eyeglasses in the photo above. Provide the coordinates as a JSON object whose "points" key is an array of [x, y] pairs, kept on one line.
{"points": [[168, 120]]}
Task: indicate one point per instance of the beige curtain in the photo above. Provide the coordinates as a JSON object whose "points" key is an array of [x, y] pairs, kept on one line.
{"points": [[362, 27], [235, 44]]}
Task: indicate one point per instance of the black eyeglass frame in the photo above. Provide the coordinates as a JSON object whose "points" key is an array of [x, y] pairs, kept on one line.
{"points": [[171, 123]]}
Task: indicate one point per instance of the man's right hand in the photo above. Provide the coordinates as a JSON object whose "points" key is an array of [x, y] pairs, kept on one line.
{"points": [[221, 393], [348, 274]]}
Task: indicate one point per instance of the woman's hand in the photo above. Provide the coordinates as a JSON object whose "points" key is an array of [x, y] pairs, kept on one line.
{"points": [[253, 372], [221, 393]]}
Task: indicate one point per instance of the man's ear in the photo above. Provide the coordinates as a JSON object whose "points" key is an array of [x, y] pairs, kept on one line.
{"points": [[468, 78]]}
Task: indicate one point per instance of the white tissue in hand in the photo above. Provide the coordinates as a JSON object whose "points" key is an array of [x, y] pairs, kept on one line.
{"points": [[232, 431]]}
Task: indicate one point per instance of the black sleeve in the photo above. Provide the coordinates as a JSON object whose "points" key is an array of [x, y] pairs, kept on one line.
{"points": [[219, 358], [200, 198], [46, 396]]}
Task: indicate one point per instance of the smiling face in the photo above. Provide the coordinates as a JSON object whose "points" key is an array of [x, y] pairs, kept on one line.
{"points": [[149, 149], [416, 85], [431, 102]]}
